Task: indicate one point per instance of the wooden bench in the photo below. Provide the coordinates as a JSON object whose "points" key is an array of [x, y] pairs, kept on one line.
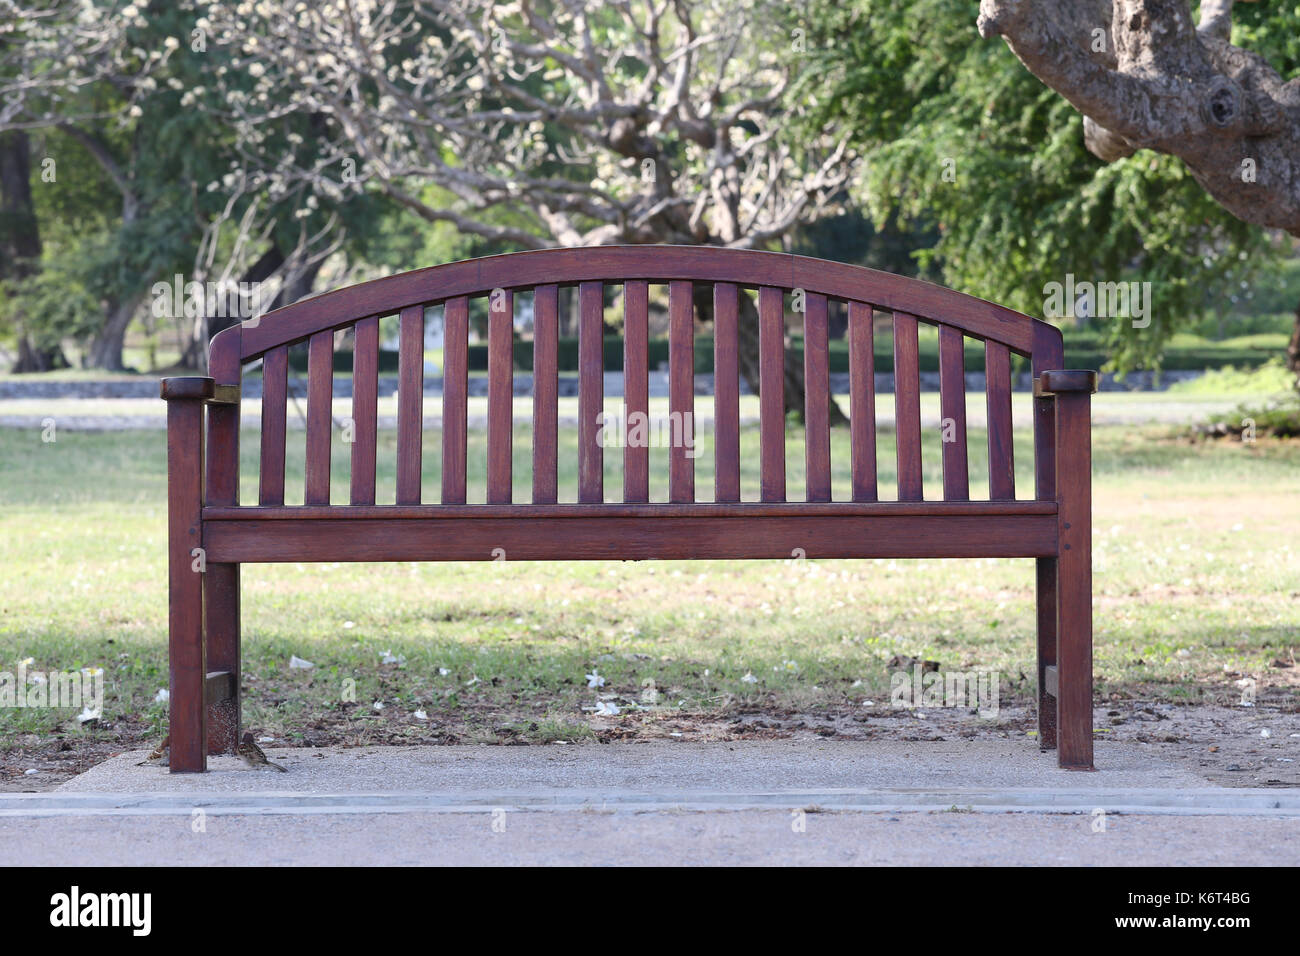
{"points": [[211, 534]]}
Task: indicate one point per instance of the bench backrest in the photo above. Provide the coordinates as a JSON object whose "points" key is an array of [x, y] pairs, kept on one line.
{"points": [[864, 292]]}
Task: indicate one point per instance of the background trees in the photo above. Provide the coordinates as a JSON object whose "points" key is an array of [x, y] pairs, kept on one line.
{"points": [[283, 141]]}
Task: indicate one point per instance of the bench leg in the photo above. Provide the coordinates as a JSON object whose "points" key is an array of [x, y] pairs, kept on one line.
{"points": [[1046, 591], [187, 667], [1074, 582], [221, 615]]}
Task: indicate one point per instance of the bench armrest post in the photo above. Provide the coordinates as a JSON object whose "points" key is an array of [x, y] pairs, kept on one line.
{"points": [[187, 666], [1072, 395]]}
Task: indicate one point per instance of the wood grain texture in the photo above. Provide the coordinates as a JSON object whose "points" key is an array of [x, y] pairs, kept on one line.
{"points": [[997, 387], [275, 404], [221, 617], [1074, 581], [591, 391], [952, 411], [594, 537], [636, 388], [222, 459], [186, 648], [655, 263], [320, 417], [410, 404], [745, 509], [546, 391], [1055, 528], [365, 410], [1048, 354], [501, 395], [907, 407], [771, 398], [455, 396], [681, 392], [726, 392], [817, 393], [862, 402]]}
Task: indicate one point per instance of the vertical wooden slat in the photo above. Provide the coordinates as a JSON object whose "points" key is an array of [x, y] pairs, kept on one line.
{"points": [[817, 393], [546, 338], [952, 411], [365, 409], [681, 392], [771, 399], [410, 404], [221, 581], [591, 391], [726, 392], [455, 394], [501, 388], [862, 401], [997, 388], [636, 390], [907, 407], [275, 399], [320, 417]]}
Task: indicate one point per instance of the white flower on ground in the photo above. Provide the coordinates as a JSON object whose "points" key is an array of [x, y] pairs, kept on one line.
{"points": [[594, 680], [606, 708], [420, 715], [296, 663], [749, 678], [443, 671], [162, 696], [87, 715], [378, 705]]}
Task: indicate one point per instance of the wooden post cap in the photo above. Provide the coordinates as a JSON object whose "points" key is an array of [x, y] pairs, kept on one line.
{"points": [[198, 387], [1067, 380]]}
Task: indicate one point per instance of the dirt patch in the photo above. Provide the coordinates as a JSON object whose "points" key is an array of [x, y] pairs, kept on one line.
{"points": [[1230, 746]]}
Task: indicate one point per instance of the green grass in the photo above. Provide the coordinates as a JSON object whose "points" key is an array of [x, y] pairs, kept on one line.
{"points": [[1197, 579], [1271, 378]]}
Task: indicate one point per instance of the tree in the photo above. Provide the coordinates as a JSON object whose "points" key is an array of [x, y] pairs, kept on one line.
{"points": [[20, 251], [957, 137], [1146, 75], [570, 122]]}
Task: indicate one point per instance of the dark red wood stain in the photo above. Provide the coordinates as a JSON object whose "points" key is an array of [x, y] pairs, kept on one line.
{"points": [[203, 489]]}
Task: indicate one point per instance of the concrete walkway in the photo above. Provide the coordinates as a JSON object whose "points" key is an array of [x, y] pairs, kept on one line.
{"points": [[778, 802]]}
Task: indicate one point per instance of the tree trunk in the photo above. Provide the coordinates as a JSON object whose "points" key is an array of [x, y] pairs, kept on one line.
{"points": [[1293, 349], [20, 243], [106, 348]]}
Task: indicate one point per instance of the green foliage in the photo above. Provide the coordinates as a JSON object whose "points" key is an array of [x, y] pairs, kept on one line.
{"points": [[958, 135]]}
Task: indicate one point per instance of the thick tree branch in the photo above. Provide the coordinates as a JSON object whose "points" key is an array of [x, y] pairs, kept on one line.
{"points": [[1158, 82]]}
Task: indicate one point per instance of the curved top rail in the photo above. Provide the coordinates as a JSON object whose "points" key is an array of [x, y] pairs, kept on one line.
{"points": [[656, 263]]}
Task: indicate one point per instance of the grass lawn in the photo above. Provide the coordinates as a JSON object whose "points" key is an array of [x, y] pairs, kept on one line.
{"points": [[1197, 585]]}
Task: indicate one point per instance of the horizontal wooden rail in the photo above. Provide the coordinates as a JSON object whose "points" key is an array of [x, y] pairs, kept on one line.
{"points": [[747, 509], [619, 537]]}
